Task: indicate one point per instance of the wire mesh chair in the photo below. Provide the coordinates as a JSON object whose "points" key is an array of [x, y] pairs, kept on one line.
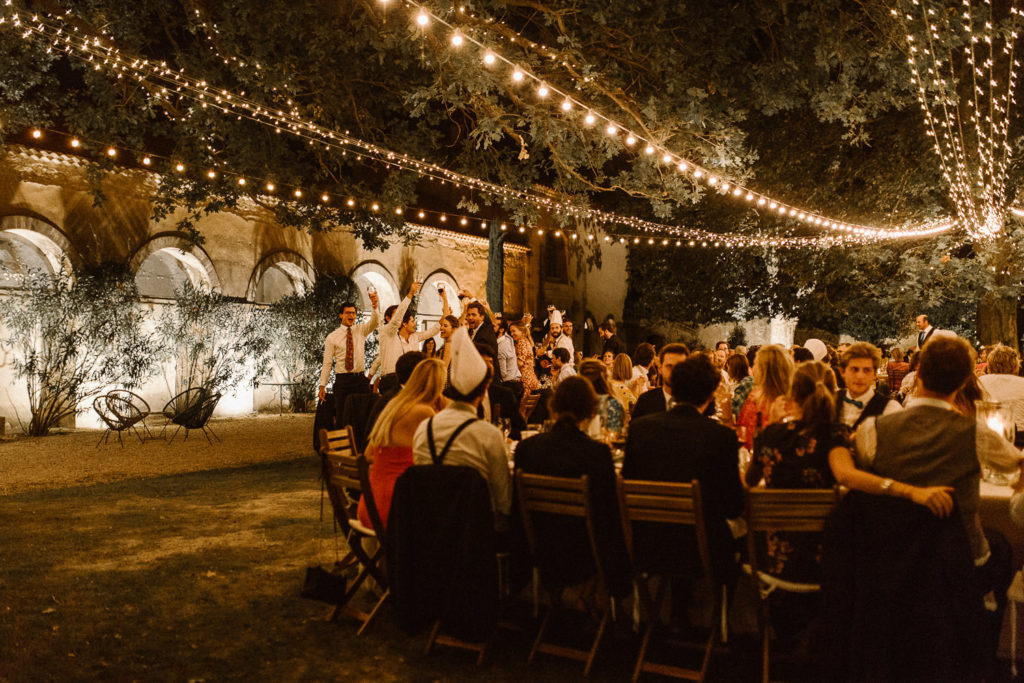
{"points": [[113, 421], [131, 408], [191, 409]]}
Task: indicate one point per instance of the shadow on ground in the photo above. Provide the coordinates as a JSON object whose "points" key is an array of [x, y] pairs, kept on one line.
{"points": [[195, 577]]}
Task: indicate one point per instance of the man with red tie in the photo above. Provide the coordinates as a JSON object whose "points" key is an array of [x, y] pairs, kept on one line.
{"points": [[345, 347]]}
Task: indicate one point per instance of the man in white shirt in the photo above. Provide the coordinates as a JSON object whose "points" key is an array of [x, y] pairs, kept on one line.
{"points": [[561, 367], [925, 330], [859, 400], [508, 365], [556, 338], [479, 445], [345, 347], [399, 336]]}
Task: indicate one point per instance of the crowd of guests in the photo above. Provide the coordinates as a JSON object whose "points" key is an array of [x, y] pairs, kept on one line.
{"points": [[811, 416]]}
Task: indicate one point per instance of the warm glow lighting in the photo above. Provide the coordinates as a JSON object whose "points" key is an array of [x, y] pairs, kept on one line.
{"points": [[376, 206], [489, 58], [146, 161], [350, 203], [179, 168], [398, 211], [611, 129], [298, 194], [590, 118], [270, 187], [421, 215], [37, 133], [75, 143], [649, 150], [325, 198], [111, 152], [543, 91], [241, 181], [211, 174], [566, 105], [422, 19], [517, 75], [457, 40], [463, 222]]}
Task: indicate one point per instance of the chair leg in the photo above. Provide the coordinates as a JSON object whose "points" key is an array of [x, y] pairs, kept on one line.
{"points": [[648, 633], [433, 637], [103, 436], [540, 634], [373, 612], [206, 434], [119, 439], [210, 430], [175, 435], [597, 644], [138, 434]]}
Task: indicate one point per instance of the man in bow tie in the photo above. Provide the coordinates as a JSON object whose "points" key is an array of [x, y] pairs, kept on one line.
{"points": [[859, 400]]}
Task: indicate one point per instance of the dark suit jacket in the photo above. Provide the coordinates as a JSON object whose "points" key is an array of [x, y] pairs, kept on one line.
{"points": [[613, 344], [503, 396], [680, 445], [649, 402], [565, 451], [485, 334]]}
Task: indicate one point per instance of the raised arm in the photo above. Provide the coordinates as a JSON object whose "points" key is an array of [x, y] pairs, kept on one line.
{"points": [[938, 499]]}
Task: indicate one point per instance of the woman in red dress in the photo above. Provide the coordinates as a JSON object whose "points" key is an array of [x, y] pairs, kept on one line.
{"points": [[389, 449]]}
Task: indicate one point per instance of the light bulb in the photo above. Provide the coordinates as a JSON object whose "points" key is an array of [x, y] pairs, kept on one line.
{"points": [[489, 58], [270, 187], [241, 181], [444, 219], [398, 210], [683, 166], [463, 221], [589, 120], [211, 174], [667, 158], [630, 140], [611, 129], [517, 75], [179, 168], [649, 150], [566, 105], [422, 19], [376, 206], [298, 194], [421, 215], [522, 228], [350, 203], [146, 161], [111, 152], [36, 133], [325, 198], [543, 91], [698, 173], [75, 143], [457, 40]]}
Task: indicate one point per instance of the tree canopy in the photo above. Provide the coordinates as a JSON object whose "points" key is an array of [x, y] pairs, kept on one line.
{"points": [[809, 101]]}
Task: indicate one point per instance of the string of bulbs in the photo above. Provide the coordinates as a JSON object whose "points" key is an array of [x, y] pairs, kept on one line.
{"points": [[594, 119], [90, 50], [988, 111]]}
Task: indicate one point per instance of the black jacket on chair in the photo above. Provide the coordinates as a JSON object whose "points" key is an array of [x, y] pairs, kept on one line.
{"points": [[441, 551], [680, 445], [565, 451], [897, 597]]}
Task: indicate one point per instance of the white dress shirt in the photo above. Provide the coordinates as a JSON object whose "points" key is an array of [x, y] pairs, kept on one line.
{"points": [[849, 413], [393, 345], [335, 349], [480, 446], [508, 365], [566, 371], [565, 341]]}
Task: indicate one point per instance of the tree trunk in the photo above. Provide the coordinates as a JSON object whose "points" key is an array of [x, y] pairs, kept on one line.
{"points": [[997, 320], [496, 267]]}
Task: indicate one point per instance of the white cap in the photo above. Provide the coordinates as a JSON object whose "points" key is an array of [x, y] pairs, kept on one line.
{"points": [[468, 367], [817, 348], [555, 318]]}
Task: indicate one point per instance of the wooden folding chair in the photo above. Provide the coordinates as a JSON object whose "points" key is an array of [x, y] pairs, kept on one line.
{"points": [[770, 510], [528, 404], [342, 475], [666, 503], [569, 497]]}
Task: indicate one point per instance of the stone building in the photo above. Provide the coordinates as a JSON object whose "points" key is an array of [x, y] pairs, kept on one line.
{"points": [[49, 221]]}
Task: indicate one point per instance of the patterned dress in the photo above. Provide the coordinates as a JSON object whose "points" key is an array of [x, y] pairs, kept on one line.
{"points": [[524, 357], [791, 456]]}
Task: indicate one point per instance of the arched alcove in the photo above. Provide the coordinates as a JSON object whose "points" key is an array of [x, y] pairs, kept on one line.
{"points": [[29, 245], [373, 274], [429, 307], [166, 262], [278, 275]]}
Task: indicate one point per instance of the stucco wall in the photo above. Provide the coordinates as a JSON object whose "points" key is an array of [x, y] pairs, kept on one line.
{"points": [[48, 192]]}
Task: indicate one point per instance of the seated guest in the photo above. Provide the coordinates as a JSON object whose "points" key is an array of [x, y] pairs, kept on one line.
{"points": [[455, 436], [681, 445], [802, 355], [859, 401], [1003, 383], [659, 399], [929, 445], [610, 414], [622, 380], [766, 403], [608, 358], [389, 449], [643, 358], [739, 375], [561, 365], [794, 455], [429, 348], [909, 383], [897, 369], [566, 451], [406, 363]]}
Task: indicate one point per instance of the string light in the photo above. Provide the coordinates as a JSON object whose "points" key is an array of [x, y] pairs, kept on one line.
{"points": [[810, 218], [237, 105]]}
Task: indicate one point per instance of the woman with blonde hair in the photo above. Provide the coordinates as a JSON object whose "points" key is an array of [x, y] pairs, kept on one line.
{"points": [[766, 404], [610, 413], [389, 449], [622, 380]]}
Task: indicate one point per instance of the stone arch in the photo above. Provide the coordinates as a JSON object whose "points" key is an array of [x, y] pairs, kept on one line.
{"points": [[430, 304], [167, 260], [279, 274], [32, 243], [373, 273]]}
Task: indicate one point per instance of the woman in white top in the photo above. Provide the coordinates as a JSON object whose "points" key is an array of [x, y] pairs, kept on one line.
{"points": [[1002, 383]]}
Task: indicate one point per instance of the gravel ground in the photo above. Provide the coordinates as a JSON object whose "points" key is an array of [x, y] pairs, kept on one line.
{"points": [[73, 459]]}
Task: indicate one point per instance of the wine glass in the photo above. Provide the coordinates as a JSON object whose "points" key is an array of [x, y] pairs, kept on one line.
{"points": [[505, 424]]}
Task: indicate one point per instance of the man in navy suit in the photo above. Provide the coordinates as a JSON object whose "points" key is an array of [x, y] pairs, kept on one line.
{"points": [[659, 399]]}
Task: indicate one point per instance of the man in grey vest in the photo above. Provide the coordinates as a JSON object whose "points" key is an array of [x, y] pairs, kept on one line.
{"points": [[930, 444]]}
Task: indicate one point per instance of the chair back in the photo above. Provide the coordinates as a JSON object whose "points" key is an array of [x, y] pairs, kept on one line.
{"points": [[664, 503], [568, 497], [529, 403], [128, 406], [770, 510], [185, 402], [102, 408], [340, 464]]}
